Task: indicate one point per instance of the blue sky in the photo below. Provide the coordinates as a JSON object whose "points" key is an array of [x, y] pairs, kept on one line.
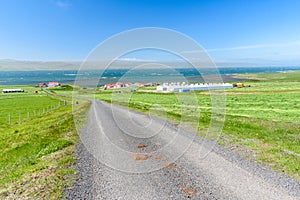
{"points": [[263, 32]]}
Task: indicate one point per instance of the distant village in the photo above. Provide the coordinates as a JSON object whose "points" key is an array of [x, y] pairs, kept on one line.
{"points": [[176, 86], [164, 87]]}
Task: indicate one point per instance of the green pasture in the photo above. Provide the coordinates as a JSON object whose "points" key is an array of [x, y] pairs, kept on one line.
{"points": [[36, 153], [17, 107]]}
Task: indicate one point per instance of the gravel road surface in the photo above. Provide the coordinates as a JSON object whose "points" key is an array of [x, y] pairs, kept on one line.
{"points": [[127, 155]]}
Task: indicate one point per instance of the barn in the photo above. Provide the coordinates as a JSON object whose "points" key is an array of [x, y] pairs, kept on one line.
{"points": [[12, 90], [53, 84]]}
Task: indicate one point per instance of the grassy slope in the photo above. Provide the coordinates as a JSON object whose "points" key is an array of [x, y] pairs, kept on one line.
{"points": [[35, 155]]}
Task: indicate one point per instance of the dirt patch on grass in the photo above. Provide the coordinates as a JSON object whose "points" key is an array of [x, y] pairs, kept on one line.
{"points": [[236, 144], [291, 152]]}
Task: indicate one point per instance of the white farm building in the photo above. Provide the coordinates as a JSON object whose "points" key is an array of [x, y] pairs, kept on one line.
{"points": [[184, 87], [12, 90]]}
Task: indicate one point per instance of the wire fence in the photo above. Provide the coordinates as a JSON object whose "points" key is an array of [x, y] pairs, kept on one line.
{"points": [[9, 118]]}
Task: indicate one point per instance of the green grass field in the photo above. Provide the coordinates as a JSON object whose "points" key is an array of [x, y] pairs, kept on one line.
{"points": [[36, 153], [25, 108]]}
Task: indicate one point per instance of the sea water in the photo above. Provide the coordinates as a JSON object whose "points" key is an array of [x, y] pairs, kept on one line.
{"points": [[122, 75]]}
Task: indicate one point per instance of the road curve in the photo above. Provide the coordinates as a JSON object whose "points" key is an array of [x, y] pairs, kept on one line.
{"points": [[127, 155]]}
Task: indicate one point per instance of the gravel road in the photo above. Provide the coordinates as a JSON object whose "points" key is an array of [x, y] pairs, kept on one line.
{"points": [[128, 155]]}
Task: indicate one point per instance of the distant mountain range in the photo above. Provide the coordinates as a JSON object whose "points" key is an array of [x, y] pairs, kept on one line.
{"points": [[20, 65], [12, 65]]}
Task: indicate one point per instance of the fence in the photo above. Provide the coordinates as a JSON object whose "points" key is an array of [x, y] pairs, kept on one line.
{"points": [[13, 117]]}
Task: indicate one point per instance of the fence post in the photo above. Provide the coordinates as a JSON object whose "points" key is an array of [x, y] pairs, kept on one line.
{"points": [[9, 118]]}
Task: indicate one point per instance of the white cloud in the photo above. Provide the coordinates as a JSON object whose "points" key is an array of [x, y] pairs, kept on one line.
{"points": [[256, 46], [238, 48], [258, 54]]}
